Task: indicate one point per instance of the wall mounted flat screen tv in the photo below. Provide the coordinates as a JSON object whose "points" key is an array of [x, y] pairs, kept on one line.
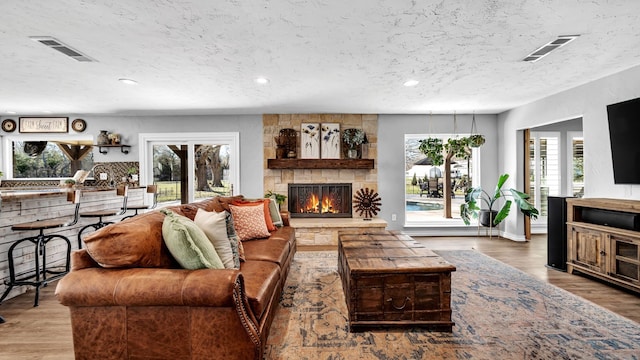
{"points": [[624, 133]]}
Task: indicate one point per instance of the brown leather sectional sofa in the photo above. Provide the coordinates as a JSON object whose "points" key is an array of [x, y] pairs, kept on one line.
{"points": [[129, 299]]}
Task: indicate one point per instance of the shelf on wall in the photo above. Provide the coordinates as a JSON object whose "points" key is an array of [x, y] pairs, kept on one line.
{"points": [[366, 164], [123, 148]]}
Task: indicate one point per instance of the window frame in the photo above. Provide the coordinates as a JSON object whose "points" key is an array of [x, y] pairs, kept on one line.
{"points": [[147, 140]]}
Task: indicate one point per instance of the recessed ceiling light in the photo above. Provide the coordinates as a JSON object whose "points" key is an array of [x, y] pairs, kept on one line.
{"points": [[128, 81], [410, 83], [261, 80], [11, 112]]}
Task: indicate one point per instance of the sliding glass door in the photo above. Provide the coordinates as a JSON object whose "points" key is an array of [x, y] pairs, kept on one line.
{"points": [[190, 167]]}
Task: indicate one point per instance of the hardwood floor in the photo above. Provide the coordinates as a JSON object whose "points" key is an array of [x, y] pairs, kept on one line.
{"points": [[44, 332]]}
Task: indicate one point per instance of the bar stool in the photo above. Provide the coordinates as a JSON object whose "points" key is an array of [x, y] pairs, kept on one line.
{"points": [[151, 189], [100, 214], [40, 242]]}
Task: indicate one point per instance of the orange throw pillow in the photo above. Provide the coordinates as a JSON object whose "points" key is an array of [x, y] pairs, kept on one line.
{"points": [[267, 213], [249, 222]]}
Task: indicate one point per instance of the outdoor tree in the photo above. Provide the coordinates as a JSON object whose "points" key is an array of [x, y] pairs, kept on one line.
{"points": [[203, 154], [414, 181]]}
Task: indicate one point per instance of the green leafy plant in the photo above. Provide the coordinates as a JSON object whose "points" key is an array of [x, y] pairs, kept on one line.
{"points": [[476, 140], [432, 149], [435, 149], [279, 197], [476, 197], [353, 137]]}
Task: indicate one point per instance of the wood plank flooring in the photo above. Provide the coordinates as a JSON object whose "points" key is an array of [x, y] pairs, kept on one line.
{"points": [[44, 332]]}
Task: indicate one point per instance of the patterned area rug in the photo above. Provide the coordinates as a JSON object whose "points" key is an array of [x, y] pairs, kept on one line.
{"points": [[499, 312]]}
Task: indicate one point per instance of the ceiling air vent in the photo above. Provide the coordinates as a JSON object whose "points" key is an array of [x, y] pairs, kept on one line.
{"points": [[63, 48], [547, 48]]}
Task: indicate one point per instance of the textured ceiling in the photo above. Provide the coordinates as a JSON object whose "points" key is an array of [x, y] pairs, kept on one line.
{"points": [[321, 56]]}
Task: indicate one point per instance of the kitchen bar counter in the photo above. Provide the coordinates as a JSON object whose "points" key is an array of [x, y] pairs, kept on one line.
{"points": [[21, 205]]}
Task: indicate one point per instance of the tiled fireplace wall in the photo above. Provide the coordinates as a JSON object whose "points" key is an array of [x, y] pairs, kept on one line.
{"points": [[277, 180]]}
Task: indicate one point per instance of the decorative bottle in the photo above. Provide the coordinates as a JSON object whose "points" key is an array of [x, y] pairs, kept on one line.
{"points": [[103, 138]]}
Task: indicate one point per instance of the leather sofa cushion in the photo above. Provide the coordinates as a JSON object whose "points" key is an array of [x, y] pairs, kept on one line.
{"points": [[285, 233], [273, 250], [135, 242], [219, 203], [261, 279]]}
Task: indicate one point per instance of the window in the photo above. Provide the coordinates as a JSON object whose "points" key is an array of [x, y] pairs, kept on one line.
{"points": [[424, 202], [36, 158], [544, 152], [576, 163]]}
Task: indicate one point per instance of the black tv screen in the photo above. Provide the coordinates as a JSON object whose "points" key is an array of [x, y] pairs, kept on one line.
{"points": [[624, 133]]}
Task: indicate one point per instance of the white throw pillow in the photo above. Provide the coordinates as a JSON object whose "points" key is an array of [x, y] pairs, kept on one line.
{"points": [[214, 225]]}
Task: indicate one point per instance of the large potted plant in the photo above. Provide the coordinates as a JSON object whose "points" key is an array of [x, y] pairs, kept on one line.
{"points": [[484, 206]]}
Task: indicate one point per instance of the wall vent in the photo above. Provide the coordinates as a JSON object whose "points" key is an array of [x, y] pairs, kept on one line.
{"points": [[61, 47], [547, 48]]}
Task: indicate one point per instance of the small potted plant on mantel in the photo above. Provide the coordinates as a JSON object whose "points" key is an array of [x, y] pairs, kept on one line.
{"points": [[353, 139]]}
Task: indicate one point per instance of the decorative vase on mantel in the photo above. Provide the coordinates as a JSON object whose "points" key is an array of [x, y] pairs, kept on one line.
{"points": [[103, 138], [352, 153]]}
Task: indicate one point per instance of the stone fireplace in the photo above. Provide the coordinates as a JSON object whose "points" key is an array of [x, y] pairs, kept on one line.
{"points": [[328, 200], [312, 230]]}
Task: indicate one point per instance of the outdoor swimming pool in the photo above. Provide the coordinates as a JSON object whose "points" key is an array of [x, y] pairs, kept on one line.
{"points": [[423, 206]]}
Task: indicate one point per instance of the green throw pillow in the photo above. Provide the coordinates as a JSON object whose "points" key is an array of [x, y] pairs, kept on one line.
{"points": [[188, 243]]}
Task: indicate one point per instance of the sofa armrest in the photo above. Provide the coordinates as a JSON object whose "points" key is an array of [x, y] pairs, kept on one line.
{"points": [[218, 291], [80, 259]]}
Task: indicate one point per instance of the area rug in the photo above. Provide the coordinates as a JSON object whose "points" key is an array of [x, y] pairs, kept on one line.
{"points": [[499, 313]]}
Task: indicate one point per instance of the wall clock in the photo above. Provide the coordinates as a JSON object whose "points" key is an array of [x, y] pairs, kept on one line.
{"points": [[9, 125], [79, 125], [367, 202]]}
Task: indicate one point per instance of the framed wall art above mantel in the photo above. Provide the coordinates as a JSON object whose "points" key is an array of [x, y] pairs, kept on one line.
{"points": [[43, 125]]}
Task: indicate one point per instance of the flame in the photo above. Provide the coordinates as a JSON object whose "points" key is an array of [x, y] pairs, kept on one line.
{"points": [[312, 203], [327, 205]]}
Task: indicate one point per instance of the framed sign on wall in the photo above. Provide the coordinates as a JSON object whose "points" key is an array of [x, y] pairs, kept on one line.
{"points": [[43, 125]]}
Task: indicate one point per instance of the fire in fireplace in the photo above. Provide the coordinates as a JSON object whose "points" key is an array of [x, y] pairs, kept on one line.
{"points": [[320, 200]]}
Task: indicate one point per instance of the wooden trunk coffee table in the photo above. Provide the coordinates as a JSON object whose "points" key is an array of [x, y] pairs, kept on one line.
{"points": [[389, 279]]}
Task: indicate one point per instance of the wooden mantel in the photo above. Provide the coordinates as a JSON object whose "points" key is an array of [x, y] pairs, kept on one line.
{"points": [[366, 164]]}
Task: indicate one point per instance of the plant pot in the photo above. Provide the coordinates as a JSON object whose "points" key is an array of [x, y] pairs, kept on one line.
{"points": [[485, 217], [352, 154], [476, 140]]}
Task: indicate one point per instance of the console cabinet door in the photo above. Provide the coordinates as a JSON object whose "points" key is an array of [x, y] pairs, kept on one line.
{"points": [[588, 249], [625, 263]]}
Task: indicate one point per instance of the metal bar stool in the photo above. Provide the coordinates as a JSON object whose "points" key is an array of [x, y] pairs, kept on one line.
{"points": [[40, 241], [100, 214], [151, 189]]}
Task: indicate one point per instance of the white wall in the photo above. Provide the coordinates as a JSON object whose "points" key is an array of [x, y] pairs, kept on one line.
{"points": [[391, 167], [588, 101]]}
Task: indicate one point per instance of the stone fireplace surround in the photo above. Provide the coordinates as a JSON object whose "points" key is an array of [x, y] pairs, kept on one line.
{"points": [[322, 232]]}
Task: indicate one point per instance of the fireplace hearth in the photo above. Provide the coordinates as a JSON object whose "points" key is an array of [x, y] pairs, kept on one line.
{"points": [[320, 200]]}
